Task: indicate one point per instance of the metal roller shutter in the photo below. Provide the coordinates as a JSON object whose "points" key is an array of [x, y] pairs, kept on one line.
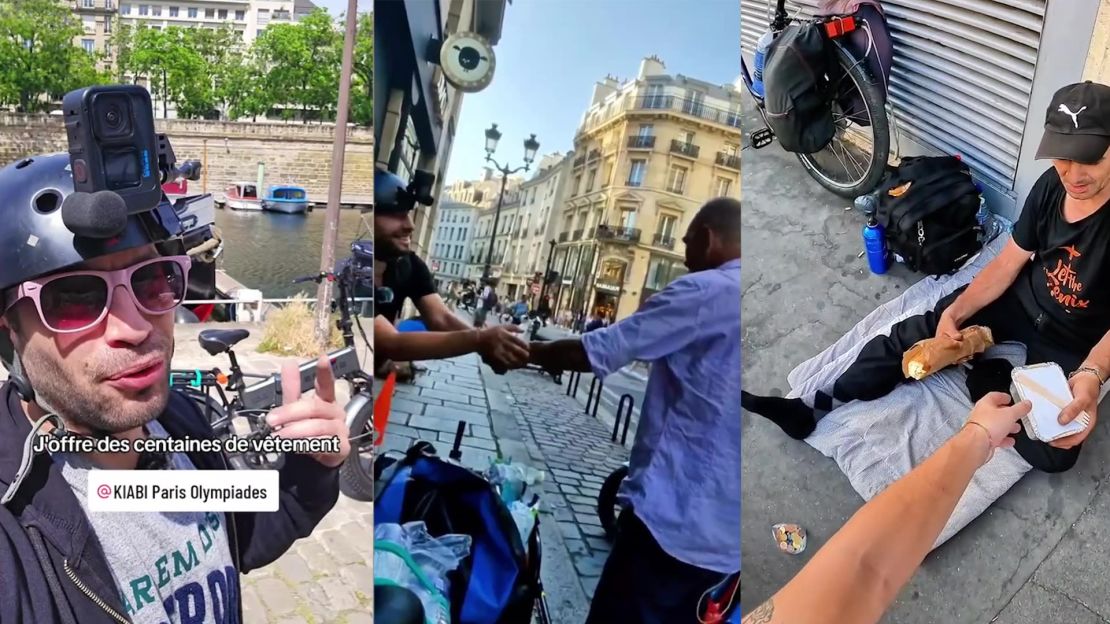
{"points": [[962, 76]]}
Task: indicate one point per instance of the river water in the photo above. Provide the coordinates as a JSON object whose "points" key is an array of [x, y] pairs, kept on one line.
{"points": [[266, 250]]}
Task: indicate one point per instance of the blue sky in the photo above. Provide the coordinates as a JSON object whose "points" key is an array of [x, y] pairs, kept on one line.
{"points": [[339, 7], [553, 51]]}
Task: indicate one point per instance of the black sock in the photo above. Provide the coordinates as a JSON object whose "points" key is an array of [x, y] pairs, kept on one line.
{"points": [[823, 403], [792, 415]]}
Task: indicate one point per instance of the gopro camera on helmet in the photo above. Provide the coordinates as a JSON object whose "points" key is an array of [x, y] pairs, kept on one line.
{"points": [[113, 145]]}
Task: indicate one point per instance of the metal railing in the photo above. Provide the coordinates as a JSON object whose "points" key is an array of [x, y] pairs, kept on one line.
{"points": [[634, 183], [581, 160], [732, 161], [686, 149], [666, 242], [594, 155], [563, 236], [618, 234], [641, 142], [577, 234]]}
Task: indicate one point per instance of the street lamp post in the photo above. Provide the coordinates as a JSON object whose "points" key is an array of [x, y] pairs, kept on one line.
{"points": [[531, 146]]}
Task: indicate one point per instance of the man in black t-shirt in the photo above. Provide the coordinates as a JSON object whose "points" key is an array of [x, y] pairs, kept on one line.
{"points": [[1049, 288], [396, 267]]}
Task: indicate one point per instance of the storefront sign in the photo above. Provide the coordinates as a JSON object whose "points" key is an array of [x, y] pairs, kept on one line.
{"points": [[468, 61]]}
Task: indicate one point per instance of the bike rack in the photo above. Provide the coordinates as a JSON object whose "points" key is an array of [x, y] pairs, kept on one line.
{"points": [[572, 384], [627, 418], [595, 399]]}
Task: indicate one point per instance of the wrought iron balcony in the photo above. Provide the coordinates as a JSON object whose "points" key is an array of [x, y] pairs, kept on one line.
{"points": [[660, 240], [577, 234], [641, 142], [563, 236], [594, 154], [618, 234], [686, 149], [695, 108], [732, 161], [579, 161]]}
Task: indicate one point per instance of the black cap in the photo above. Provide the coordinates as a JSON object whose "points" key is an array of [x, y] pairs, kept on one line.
{"points": [[1077, 125]]}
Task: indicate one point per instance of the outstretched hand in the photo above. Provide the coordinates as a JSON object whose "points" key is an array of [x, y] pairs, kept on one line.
{"points": [[501, 348], [994, 415], [316, 416], [1085, 390]]}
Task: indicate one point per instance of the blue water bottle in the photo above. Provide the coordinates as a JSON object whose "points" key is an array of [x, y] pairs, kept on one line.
{"points": [[875, 244], [760, 60]]}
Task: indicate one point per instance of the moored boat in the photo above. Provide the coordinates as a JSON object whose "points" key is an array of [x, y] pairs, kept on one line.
{"points": [[286, 198], [242, 196]]}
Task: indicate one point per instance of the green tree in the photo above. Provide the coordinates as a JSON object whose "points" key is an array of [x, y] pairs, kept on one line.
{"points": [[301, 63], [362, 82], [40, 61]]}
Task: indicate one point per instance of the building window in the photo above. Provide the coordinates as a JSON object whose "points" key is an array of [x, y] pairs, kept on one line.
{"points": [[107, 26], [174, 11], [125, 9], [646, 130], [723, 187], [677, 181], [281, 15], [662, 271], [240, 15], [144, 9], [193, 12], [156, 10], [577, 184], [89, 22], [89, 45], [653, 97], [666, 227], [222, 14], [88, 4], [731, 149], [209, 13], [628, 218], [637, 172], [591, 180], [263, 17]]}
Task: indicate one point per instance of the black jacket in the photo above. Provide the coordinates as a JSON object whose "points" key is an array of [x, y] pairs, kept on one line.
{"points": [[48, 548]]}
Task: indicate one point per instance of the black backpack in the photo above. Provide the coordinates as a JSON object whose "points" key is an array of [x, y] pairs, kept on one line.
{"points": [[928, 207], [799, 109]]}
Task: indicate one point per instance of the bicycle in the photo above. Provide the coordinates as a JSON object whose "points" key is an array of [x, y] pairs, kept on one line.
{"points": [[211, 390], [862, 171]]}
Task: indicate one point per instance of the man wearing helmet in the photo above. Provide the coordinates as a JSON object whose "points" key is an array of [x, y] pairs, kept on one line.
{"points": [[399, 269], [88, 310]]}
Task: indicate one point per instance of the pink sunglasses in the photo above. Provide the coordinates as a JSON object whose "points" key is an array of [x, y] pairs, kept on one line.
{"points": [[78, 300]]}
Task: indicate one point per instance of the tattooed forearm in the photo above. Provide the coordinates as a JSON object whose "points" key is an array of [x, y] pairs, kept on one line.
{"points": [[762, 614]]}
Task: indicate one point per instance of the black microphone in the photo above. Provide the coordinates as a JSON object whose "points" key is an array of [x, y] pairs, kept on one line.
{"points": [[102, 214]]}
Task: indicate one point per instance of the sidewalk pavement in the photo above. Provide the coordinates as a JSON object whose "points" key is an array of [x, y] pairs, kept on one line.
{"points": [[1036, 556]]}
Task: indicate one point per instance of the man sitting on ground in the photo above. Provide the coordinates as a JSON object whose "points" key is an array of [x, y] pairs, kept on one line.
{"points": [[1049, 288]]}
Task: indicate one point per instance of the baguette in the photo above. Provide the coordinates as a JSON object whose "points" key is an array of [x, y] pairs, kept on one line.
{"points": [[933, 354]]}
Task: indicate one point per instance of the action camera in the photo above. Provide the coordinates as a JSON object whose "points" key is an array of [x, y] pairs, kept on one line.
{"points": [[113, 145]]}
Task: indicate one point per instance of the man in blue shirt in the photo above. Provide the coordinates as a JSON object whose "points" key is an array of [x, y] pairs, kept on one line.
{"points": [[680, 532]]}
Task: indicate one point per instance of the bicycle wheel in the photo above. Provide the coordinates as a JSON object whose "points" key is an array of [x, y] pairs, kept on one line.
{"points": [[356, 475], [607, 506], [853, 163]]}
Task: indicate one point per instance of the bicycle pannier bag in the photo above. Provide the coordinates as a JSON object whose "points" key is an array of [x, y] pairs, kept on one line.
{"points": [[798, 107], [927, 207]]}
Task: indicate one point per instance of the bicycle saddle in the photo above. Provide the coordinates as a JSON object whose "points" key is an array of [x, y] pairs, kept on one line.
{"points": [[217, 341], [396, 605]]}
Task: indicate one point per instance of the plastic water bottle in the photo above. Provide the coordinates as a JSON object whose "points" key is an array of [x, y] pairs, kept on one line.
{"points": [[983, 213], [875, 244], [760, 60]]}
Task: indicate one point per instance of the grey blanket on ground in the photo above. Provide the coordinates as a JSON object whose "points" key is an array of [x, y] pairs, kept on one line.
{"points": [[877, 442]]}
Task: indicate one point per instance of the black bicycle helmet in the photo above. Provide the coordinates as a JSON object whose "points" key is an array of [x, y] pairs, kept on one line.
{"points": [[391, 193], [36, 241]]}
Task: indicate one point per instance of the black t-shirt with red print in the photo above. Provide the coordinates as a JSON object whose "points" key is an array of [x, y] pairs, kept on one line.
{"points": [[1069, 278]]}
